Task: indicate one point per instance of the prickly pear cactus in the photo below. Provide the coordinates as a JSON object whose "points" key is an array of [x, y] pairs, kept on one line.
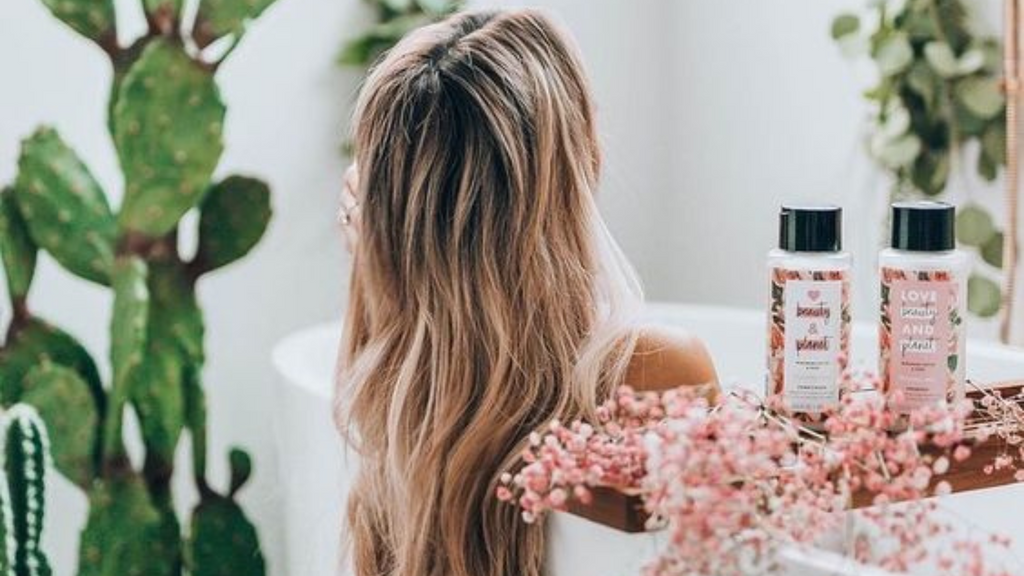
{"points": [[166, 118], [25, 460]]}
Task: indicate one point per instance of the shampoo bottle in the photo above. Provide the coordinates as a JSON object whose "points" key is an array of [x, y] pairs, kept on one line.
{"points": [[923, 296], [809, 314]]}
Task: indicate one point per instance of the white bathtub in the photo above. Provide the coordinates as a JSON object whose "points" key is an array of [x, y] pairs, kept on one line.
{"points": [[317, 472]]}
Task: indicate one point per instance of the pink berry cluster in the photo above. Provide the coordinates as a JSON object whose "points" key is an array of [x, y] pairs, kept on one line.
{"points": [[734, 482]]}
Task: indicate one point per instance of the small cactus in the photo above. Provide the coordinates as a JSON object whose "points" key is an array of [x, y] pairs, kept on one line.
{"points": [[25, 460], [166, 119], [234, 214], [64, 207]]}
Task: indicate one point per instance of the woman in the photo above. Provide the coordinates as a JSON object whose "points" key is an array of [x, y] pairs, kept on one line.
{"points": [[487, 296]]}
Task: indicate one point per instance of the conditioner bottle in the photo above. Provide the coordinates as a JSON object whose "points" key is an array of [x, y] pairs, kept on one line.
{"points": [[923, 295], [809, 313]]}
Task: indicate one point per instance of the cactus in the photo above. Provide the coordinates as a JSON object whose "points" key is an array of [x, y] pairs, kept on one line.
{"points": [[25, 460], [234, 215], [65, 209], [167, 128], [166, 118]]}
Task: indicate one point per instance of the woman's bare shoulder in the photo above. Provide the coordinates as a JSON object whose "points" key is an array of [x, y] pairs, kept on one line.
{"points": [[667, 358]]}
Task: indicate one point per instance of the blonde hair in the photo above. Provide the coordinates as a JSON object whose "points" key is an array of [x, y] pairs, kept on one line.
{"points": [[487, 298]]}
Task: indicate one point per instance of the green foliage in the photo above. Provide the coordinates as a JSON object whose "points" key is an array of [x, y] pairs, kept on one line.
{"points": [[938, 92], [53, 389], [394, 19], [983, 296], [234, 215], [166, 119], [25, 450], [65, 208]]}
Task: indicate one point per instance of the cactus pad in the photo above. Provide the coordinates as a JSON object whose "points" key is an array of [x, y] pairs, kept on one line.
{"points": [[122, 534], [62, 399], [65, 209], [91, 18], [234, 215], [37, 342], [167, 122], [16, 247], [223, 542], [157, 396], [217, 18], [128, 341], [25, 461], [175, 318]]}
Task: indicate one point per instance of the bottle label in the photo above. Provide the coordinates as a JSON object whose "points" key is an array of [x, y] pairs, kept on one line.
{"points": [[809, 339], [919, 336]]}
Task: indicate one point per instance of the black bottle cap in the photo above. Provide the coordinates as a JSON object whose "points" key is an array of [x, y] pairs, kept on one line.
{"points": [[810, 228], [923, 226]]}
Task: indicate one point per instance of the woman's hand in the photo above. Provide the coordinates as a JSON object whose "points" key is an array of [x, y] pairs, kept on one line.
{"points": [[348, 212]]}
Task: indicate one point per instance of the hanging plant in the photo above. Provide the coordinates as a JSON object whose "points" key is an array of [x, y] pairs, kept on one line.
{"points": [[938, 92], [395, 19]]}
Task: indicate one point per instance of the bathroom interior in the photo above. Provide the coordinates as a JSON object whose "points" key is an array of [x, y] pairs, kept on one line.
{"points": [[712, 114]]}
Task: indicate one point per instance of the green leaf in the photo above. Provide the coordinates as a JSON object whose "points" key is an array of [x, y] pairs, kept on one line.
{"points": [[223, 542], [992, 251], [128, 341], [930, 172], [163, 9], [952, 362], [899, 152], [984, 297], [974, 225], [16, 247], [941, 59], [168, 120], [844, 25], [398, 5], [922, 80], [993, 142], [440, 7], [91, 18], [234, 215], [894, 55], [981, 96], [217, 18], [64, 207], [63, 400]]}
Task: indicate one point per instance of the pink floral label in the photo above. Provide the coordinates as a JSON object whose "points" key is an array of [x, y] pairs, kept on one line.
{"points": [[814, 312], [919, 351]]}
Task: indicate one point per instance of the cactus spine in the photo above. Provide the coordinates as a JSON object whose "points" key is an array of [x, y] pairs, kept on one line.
{"points": [[166, 118]]}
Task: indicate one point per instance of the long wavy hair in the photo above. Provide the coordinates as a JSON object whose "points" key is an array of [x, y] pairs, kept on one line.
{"points": [[487, 297]]}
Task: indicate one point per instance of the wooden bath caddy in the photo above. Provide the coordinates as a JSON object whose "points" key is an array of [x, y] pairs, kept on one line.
{"points": [[623, 509]]}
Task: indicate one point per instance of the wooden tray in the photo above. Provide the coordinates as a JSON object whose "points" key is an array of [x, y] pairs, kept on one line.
{"points": [[624, 509]]}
